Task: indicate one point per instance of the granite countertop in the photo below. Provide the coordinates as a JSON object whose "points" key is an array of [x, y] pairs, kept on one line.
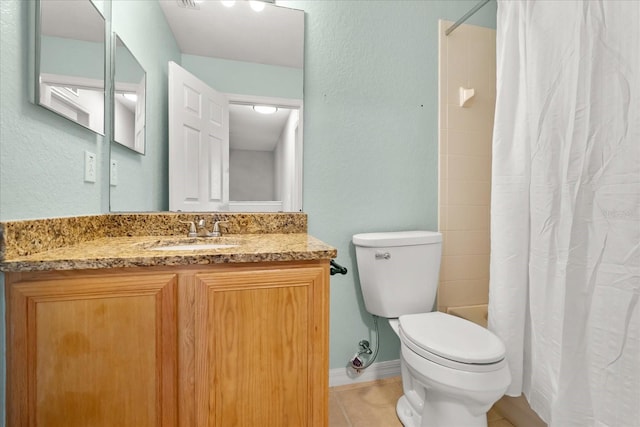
{"points": [[138, 251], [128, 240]]}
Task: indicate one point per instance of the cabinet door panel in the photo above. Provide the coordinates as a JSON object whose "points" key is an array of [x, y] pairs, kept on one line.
{"points": [[257, 347], [99, 352]]}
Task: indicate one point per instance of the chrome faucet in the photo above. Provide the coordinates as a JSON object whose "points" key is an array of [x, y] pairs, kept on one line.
{"points": [[192, 228], [216, 228], [197, 228], [203, 232]]}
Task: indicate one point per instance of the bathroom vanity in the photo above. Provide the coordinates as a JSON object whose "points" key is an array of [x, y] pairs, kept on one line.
{"points": [[114, 331]]}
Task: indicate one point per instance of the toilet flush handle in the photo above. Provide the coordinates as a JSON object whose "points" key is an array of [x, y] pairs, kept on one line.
{"points": [[383, 255]]}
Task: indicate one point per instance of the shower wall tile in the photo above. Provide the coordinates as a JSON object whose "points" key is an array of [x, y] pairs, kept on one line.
{"points": [[443, 195], [466, 118], [467, 143], [457, 76], [464, 267], [469, 193], [467, 59], [464, 292], [466, 243], [482, 52], [468, 168], [467, 218]]}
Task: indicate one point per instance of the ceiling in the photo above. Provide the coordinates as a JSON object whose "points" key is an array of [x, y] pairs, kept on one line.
{"points": [[71, 19], [249, 130], [273, 36]]}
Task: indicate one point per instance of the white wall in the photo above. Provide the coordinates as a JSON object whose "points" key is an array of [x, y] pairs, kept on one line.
{"points": [[124, 132], [251, 175], [285, 162]]}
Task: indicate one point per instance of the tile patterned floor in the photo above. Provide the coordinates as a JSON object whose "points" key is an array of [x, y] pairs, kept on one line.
{"points": [[373, 404]]}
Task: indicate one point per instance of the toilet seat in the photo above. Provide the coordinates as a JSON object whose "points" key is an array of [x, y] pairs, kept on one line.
{"points": [[452, 341]]}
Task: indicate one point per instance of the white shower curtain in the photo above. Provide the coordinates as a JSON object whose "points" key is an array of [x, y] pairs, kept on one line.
{"points": [[565, 210]]}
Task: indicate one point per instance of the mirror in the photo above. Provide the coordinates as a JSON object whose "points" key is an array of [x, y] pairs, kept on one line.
{"points": [[249, 56], [128, 99], [70, 61], [265, 155]]}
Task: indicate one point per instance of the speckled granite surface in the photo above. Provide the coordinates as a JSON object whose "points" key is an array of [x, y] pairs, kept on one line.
{"points": [[127, 240], [19, 238]]}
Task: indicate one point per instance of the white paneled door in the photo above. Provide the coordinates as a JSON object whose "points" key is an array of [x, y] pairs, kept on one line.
{"points": [[198, 144]]}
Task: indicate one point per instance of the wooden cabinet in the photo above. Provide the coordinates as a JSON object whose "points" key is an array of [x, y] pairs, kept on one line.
{"points": [[91, 350], [224, 345], [260, 354]]}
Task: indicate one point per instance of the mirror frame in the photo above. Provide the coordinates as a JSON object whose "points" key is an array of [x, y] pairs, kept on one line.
{"points": [[36, 92], [136, 147]]}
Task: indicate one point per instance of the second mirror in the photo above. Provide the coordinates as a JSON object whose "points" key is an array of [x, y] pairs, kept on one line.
{"points": [[128, 99]]}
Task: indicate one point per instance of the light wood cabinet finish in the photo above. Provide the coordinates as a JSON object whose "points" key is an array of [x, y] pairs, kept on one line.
{"points": [[224, 345], [91, 350]]}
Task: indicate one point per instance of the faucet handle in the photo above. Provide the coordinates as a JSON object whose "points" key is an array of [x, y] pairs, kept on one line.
{"points": [[192, 228], [216, 228]]}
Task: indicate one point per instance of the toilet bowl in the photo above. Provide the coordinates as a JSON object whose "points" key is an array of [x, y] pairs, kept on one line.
{"points": [[453, 370], [456, 390]]}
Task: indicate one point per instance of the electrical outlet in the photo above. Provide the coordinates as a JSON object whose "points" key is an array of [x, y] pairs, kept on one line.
{"points": [[90, 165], [113, 173]]}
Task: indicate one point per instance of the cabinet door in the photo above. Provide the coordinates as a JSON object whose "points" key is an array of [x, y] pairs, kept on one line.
{"points": [[261, 347], [92, 351]]}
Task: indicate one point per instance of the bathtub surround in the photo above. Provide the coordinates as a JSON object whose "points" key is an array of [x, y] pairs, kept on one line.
{"points": [[466, 61]]}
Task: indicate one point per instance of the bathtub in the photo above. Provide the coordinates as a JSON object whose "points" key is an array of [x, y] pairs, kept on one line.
{"points": [[514, 409]]}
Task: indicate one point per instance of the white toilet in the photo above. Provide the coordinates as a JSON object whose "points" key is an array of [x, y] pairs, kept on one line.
{"points": [[453, 370]]}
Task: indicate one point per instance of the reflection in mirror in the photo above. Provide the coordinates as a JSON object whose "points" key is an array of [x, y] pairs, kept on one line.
{"points": [[236, 51], [129, 111], [265, 150], [70, 52]]}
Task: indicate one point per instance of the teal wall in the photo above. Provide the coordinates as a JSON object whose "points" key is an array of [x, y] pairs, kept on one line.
{"points": [[371, 135], [41, 153], [246, 78], [143, 179], [69, 57], [127, 69], [371, 96]]}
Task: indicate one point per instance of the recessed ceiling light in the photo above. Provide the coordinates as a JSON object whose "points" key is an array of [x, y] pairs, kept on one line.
{"points": [[130, 96], [265, 109]]}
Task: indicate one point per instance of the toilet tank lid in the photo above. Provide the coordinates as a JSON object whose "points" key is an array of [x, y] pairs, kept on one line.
{"points": [[397, 238]]}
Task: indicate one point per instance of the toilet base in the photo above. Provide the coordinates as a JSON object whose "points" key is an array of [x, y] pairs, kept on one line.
{"points": [[408, 417], [411, 418], [435, 396]]}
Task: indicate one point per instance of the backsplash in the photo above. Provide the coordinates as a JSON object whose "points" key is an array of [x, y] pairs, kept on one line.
{"points": [[21, 238]]}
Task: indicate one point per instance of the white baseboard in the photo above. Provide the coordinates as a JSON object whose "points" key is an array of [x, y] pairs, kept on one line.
{"points": [[346, 375]]}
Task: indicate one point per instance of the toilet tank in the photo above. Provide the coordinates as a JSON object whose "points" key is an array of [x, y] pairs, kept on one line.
{"points": [[398, 271]]}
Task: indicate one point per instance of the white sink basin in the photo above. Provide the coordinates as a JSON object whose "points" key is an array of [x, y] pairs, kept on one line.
{"points": [[194, 247]]}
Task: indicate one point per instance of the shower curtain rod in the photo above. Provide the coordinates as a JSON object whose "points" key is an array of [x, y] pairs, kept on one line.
{"points": [[465, 17]]}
